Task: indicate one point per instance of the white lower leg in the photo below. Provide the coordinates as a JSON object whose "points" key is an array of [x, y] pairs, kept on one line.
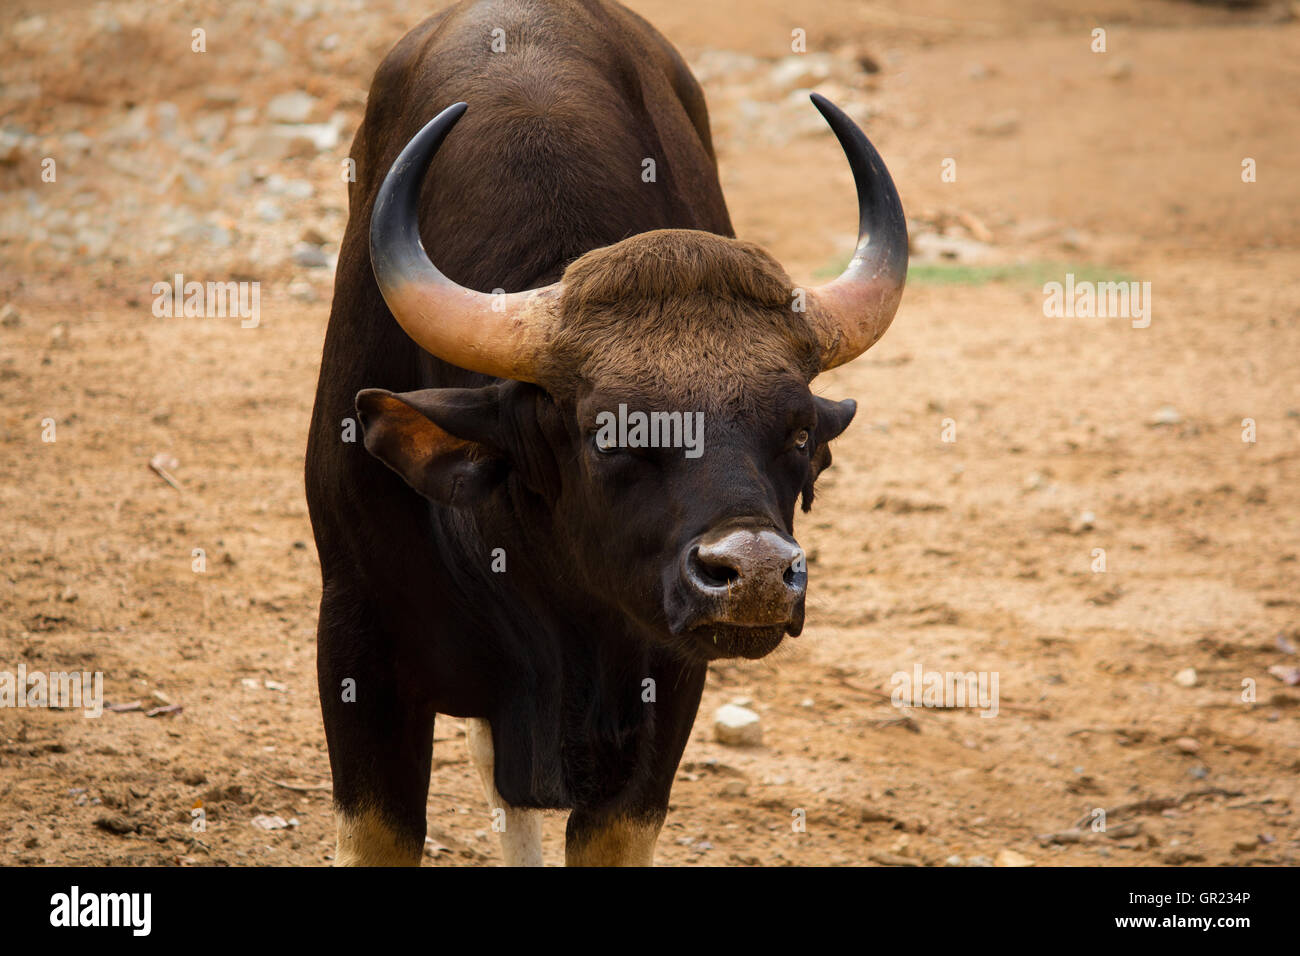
{"points": [[521, 830]]}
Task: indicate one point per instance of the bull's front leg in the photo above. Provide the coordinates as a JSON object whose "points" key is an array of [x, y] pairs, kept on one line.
{"points": [[380, 737], [625, 834], [521, 831], [611, 839]]}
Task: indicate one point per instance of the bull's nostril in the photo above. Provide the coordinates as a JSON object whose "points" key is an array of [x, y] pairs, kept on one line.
{"points": [[711, 572], [789, 576]]}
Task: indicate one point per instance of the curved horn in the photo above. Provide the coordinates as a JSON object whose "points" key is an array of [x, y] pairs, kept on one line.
{"points": [[502, 335], [852, 312]]}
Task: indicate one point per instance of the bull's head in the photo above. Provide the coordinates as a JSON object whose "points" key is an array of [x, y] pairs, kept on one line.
{"points": [[695, 544]]}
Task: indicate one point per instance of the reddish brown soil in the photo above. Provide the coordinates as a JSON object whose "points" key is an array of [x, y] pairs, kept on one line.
{"points": [[965, 555]]}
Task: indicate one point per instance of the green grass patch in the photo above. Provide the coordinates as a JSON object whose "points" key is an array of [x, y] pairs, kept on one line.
{"points": [[1032, 274]]}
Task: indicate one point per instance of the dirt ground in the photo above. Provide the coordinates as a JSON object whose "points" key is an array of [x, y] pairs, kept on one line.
{"points": [[974, 554]]}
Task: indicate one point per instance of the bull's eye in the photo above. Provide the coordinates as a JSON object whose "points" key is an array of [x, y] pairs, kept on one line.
{"points": [[605, 444], [801, 439]]}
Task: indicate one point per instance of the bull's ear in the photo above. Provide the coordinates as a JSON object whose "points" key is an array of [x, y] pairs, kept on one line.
{"points": [[832, 419], [444, 442]]}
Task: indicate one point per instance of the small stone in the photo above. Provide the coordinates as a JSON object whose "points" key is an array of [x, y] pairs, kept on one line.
{"points": [[1167, 415], [309, 256], [1119, 69], [277, 185], [294, 107], [1007, 857], [1186, 677], [9, 317], [303, 291], [737, 726], [999, 124], [1086, 521], [1188, 745], [799, 71], [273, 54], [210, 128], [268, 210], [168, 117], [115, 823], [222, 95]]}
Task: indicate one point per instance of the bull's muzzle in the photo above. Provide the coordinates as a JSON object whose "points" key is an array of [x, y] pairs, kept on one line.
{"points": [[746, 578]]}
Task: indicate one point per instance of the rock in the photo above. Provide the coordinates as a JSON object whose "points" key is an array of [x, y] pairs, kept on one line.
{"points": [[737, 726], [168, 116], [801, 71], [211, 128], [1186, 677], [277, 185], [308, 138], [313, 236], [115, 823], [273, 54], [303, 291], [9, 317], [268, 211], [734, 788], [294, 107], [1007, 857], [222, 95], [309, 256], [1187, 745], [893, 859], [1005, 123], [1086, 521], [77, 142], [725, 65], [1286, 674], [268, 822], [12, 144], [932, 247], [1167, 415], [1072, 240], [1119, 69]]}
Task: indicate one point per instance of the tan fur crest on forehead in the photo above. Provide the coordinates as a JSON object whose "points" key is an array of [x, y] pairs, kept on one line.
{"points": [[684, 311]]}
